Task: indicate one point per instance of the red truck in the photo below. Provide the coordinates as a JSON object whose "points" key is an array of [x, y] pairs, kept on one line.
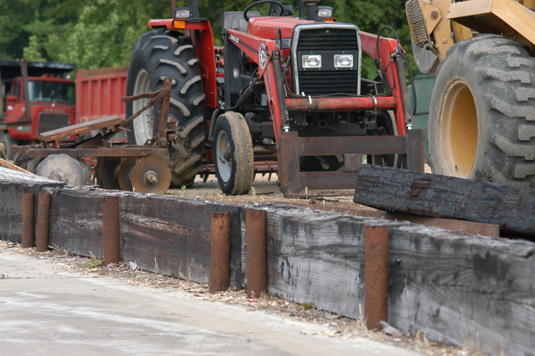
{"points": [[36, 97], [99, 92], [51, 98]]}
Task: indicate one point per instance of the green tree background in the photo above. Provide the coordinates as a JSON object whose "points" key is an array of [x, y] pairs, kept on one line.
{"points": [[100, 33]]}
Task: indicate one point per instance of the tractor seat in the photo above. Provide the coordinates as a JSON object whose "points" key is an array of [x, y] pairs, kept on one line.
{"points": [[234, 20]]}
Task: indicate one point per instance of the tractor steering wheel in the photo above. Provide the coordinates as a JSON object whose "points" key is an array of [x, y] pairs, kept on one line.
{"points": [[279, 6]]}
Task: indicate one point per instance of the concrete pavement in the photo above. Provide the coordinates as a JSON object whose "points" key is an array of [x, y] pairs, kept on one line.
{"points": [[46, 312]]}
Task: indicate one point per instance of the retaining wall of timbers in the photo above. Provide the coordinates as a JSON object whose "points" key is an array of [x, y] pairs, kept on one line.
{"points": [[453, 287]]}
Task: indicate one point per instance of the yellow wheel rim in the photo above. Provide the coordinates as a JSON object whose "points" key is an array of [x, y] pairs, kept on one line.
{"points": [[460, 123]]}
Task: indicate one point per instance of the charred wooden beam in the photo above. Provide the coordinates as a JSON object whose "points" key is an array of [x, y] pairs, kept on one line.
{"points": [[398, 190]]}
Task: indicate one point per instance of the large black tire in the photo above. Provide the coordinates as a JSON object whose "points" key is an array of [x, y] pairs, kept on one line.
{"points": [[482, 112], [385, 127], [156, 55], [28, 163], [233, 154]]}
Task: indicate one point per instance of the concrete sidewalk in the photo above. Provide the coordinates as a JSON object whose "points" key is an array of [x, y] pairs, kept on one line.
{"points": [[46, 312]]}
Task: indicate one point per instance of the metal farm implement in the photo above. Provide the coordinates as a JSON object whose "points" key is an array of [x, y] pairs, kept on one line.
{"points": [[119, 165]]}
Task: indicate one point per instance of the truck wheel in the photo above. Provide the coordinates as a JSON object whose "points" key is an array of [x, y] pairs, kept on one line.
{"points": [[156, 55], [233, 154], [482, 115]]}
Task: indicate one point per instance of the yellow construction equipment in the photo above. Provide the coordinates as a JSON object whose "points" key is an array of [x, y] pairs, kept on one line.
{"points": [[482, 108]]}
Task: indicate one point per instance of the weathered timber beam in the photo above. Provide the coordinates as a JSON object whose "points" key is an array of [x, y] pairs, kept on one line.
{"points": [[399, 190], [468, 227]]}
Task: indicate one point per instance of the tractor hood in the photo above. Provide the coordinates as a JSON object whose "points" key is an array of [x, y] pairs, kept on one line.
{"points": [[267, 27]]}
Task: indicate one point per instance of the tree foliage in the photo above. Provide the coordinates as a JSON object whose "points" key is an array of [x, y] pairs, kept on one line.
{"points": [[100, 33]]}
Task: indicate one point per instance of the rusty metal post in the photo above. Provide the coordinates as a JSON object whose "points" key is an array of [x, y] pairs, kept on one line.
{"points": [[27, 220], [43, 222], [414, 146], [220, 252], [111, 230], [376, 276], [255, 222]]}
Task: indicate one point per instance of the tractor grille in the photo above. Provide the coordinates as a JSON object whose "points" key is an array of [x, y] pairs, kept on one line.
{"points": [[328, 83], [327, 39], [328, 80], [49, 122]]}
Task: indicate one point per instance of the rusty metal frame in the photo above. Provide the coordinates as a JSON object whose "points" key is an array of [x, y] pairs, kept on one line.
{"points": [[98, 146], [293, 182], [120, 151]]}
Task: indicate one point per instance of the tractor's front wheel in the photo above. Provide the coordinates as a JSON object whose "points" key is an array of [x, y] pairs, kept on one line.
{"points": [[156, 55], [482, 117], [233, 154]]}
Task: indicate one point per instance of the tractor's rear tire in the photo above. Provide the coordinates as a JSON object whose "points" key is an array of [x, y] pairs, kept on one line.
{"points": [[482, 112], [156, 55], [233, 154]]}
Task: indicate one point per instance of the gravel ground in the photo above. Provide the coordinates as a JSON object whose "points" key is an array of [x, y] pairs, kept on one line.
{"points": [[339, 326], [265, 190]]}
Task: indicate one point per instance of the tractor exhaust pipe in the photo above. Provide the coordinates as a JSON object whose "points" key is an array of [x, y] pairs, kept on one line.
{"points": [[308, 9]]}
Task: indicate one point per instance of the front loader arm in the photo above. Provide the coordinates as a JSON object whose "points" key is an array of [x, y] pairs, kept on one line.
{"points": [[432, 32], [436, 25], [266, 54]]}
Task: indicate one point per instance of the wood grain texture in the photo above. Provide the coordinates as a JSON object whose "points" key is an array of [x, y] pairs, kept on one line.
{"points": [[172, 236], [463, 289], [76, 221], [11, 207], [513, 208], [318, 257]]}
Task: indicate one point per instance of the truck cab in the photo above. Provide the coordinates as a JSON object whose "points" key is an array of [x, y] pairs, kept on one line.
{"points": [[36, 97], [51, 100]]}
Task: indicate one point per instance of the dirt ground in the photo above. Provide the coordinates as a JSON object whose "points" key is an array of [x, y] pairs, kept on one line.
{"points": [[265, 190]]}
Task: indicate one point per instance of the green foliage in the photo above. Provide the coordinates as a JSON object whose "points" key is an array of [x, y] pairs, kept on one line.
{"points": [[100, 33], [94, 262]]}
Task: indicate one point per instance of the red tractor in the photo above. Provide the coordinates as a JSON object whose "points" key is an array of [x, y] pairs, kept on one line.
{"points": [[288, 84]]}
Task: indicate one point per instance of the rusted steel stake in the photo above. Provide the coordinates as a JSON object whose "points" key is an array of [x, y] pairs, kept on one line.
{"points": [[111, 230], [43, 222], [255, 221], [220, 252], [27, 220], [376, 276]]}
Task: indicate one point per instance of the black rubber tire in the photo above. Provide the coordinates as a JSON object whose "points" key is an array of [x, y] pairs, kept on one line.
{"points": [[107, 172], [28, 163], [233, 154], [385, 127], [482, 117], [161, 54]]}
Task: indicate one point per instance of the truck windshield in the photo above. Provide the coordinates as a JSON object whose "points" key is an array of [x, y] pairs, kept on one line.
{"points": [[51, 91]]}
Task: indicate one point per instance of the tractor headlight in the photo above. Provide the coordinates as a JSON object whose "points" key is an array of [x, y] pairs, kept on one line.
{"points": [[325, 11], [343, 60], [311, 61], [182, 12]]}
